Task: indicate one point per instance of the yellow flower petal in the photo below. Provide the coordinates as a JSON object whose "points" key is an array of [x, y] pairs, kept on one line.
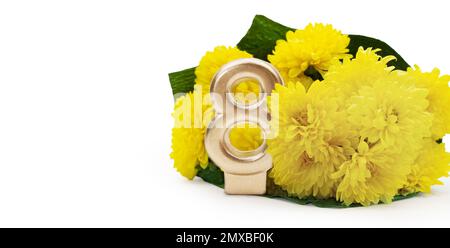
{"points": [[318, 46]]}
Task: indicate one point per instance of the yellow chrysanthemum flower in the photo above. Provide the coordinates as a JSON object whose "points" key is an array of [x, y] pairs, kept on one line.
{"points": [[316, 46], [392, 113], [432, 164], [192, 114], [313, 139], [380, 107], [373, 174], [439, 96], [366, 68], [246, 137], [212, 61], [391, 119]]}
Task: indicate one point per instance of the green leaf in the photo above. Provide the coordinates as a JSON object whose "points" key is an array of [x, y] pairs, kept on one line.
{"points": [[261, 38], [403, 197], [358, 40], [182, 81], [212, 174]]}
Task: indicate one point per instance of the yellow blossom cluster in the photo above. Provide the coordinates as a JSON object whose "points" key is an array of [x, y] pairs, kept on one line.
{"points": [[363, 134]]}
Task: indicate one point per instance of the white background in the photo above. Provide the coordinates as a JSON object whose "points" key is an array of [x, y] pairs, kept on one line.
{"points": [[85, 107]]}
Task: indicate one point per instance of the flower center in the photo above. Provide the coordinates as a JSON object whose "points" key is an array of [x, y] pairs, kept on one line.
{"points": [[372, 168], [392, 117], [302, 118], [305, 160]]}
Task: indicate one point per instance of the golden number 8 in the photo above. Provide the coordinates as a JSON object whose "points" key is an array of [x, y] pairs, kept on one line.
{"points": [[245, 171]]}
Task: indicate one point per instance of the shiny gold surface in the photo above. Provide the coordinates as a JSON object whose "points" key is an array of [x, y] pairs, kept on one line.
{"points": [[245, 171]]}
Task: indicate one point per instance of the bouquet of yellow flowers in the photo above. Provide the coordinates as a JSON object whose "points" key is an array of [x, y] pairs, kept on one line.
{"points": [[354, 124]]}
